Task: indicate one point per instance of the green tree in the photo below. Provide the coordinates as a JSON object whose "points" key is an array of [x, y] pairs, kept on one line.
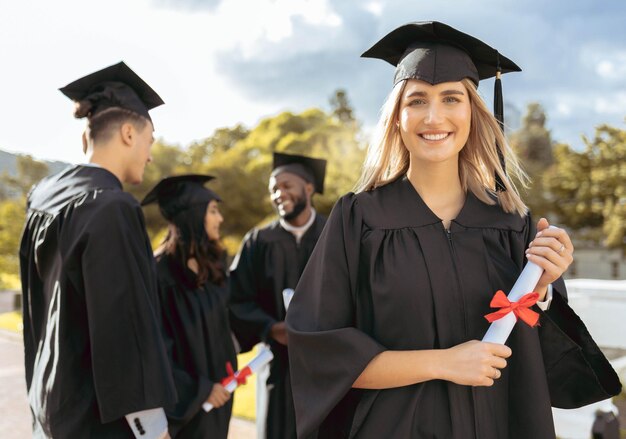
{"points": [[166, 160], [222, 140], [12, 215], [533, 144], [4, 192], [28, 172], [341, 107], [588, 188]]}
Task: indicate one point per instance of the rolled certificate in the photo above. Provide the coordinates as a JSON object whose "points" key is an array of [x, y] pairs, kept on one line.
{"points": [[500, 329], [287, 296], [233, 381]]}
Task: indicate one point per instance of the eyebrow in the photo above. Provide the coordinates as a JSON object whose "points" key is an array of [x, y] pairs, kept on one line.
{"points": [[423, 94]]}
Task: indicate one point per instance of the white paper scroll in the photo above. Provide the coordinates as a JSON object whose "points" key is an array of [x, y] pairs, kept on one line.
{"points": [[287, 296], [499, 330], [261, 359]]}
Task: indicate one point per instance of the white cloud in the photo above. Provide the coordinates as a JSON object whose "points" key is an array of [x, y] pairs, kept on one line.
{"points": [[375, 7], [612, 104], [607, 62], [613, 69], [267, 21], [564, 109]]}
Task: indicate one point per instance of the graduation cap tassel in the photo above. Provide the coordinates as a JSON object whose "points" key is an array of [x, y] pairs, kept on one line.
{"points": [[498, 112]]}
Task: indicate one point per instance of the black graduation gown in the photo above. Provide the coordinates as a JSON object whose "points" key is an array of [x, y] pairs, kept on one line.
{"points": [[93, 344], [200, 345], [386, 275], [269, 261]]}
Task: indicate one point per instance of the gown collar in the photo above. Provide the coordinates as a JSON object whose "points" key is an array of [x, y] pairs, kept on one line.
{"points": [[404, 207]]}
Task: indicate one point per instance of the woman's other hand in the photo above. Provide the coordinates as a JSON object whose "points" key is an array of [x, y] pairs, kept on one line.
{"points": [[219, 396], [474, 363], [552, 250]]}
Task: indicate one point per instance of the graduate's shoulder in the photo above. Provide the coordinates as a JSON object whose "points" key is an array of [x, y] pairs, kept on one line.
{"points": [[480, 215], [320, 221], [266, 233], [385, 196], [113, 201], [389, 206], [70, 186], [108, 210], [166, 271]]}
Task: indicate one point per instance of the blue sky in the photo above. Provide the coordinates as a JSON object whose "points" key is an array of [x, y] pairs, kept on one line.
{"points": [[221, 62]]}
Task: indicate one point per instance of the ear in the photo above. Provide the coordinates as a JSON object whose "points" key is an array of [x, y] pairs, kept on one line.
{"points": [[310, 189], [128, 134]]}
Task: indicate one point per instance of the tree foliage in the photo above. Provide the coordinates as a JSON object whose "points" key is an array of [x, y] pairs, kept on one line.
{"points": [[533, 144], [166, 160], [28, 172], [588, 188], [12, 215], [341, 107]]}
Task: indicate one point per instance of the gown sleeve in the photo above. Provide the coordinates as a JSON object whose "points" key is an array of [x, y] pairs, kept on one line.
{"points": [[192, 389], [248, 321], [327, 352], [578, 372], [130, 368]]}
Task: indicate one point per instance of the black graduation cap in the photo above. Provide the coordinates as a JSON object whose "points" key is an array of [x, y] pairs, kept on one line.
{"points": [[178, 193], [114, 86], [310, 169], [435, 52]]}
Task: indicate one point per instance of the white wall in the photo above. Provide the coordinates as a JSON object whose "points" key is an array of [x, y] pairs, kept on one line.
{"points": [[597, 263], [601, 304]]}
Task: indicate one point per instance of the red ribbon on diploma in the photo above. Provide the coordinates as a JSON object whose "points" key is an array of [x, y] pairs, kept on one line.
{"points": [[240, 376], [521, 308]]}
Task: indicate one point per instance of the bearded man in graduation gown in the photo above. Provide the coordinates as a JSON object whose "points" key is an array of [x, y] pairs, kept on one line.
{"points": [[271, 260], [96, 365]]}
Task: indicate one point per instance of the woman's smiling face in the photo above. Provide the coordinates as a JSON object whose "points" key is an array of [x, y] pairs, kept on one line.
{"points": [[434, 120]]}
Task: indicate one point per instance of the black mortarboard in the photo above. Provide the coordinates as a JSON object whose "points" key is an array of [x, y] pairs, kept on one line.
{"points": [[310, 169], [114, 86], [435, 52], [178, 193]]}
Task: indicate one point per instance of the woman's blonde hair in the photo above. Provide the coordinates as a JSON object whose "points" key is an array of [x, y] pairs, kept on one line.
{"points": [[387, 157]]}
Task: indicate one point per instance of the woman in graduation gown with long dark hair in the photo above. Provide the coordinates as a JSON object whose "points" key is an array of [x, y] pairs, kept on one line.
{"points": [[385, 321], [193, 293]]}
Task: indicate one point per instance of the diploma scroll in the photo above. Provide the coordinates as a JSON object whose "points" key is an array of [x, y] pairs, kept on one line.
{"points": [[500, 329], [233, 381], [287, 296]]}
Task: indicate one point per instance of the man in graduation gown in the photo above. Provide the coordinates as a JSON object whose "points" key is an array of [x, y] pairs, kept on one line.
{"points": [[96, 365], [271, 260]]}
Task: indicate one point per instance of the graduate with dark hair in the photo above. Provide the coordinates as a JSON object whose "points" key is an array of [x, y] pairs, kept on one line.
{"points": [[385, 322], [96, 365], [193, 290], [270, 261]]}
